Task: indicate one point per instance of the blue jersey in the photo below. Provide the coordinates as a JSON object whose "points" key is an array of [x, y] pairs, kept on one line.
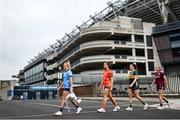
{"points": [[66, 79]]}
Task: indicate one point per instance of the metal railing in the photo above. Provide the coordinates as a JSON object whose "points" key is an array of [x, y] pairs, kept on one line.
{"points": [[174, 82], [121, 82]]}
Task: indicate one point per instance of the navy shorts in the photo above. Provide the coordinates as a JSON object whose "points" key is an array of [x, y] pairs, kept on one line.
{"points": [[67, 89]]}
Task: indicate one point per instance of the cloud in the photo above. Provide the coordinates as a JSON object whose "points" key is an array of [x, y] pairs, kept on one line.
{"points": [[29, 26]]}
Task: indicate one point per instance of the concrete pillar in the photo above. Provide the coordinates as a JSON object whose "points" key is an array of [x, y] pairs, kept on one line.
{"points": [[132, 38], [133, 41], [38, 95]]}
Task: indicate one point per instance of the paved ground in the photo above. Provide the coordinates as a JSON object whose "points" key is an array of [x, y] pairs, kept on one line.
{"points": [[44, 109]]}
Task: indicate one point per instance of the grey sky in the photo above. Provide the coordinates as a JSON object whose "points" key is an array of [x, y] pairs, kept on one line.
{"points": [[29, 26]]}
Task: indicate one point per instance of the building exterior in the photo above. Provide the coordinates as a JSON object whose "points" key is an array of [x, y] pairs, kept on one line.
{"points": [[147, 10], [107, 37], [121, 42], [167, 40], [34, 73]]}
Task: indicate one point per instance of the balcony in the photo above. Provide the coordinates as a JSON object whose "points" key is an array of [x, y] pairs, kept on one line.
{"points": [[139, 44], [96, 44], [51, 77], [108, 58], [125, 58], [97, 58], [101, 43], [51, 67], [104, 26], [50, 57]]}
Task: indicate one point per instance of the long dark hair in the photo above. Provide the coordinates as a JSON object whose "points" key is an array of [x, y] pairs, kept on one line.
{"points": [[135, 66]]}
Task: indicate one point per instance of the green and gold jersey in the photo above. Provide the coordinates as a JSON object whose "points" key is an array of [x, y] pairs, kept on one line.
{"points": [[132, 75]]}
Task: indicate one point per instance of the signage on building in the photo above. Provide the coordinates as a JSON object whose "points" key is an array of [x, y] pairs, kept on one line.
{"points": [[43, 87]]}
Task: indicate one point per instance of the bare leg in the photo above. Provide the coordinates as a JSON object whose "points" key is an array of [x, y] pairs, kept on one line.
{"points": [[164, 98], [104, 101], [160, 97], [130, 97], [112, 99], [136, 92], [63, 98]]}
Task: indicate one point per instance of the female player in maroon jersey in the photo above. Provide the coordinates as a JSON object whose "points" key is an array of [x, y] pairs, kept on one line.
{"points": [[161, 82]]}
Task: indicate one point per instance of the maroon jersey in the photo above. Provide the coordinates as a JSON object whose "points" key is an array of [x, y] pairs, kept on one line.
{"points": [[159, 77]]}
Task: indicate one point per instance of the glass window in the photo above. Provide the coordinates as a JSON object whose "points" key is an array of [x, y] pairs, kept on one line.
{"points": [[175, 37], [139, 38], [25, 74], [116, 42], [28, 73], [137, 24], [41, 67], [33, 77], [175, 40], [34, 70], [38, 75], [150, 54], [120, 38], [176, 52], [149, 40], [31, 72], [175, 44], [140, 52], [151, 66], [37, 69], [41, 74], [27, 79]]}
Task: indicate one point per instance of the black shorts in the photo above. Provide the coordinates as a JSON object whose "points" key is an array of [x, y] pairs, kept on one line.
{"points": [[67, 89], [135, 87]]}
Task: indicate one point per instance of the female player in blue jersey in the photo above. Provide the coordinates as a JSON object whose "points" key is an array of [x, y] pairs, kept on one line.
{"points": [[67, 86]]}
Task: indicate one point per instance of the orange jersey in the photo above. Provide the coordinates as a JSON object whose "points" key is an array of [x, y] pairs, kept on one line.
{"points": [[107, 77]]}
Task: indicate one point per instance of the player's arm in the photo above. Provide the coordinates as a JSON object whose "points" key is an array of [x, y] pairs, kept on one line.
{"points": [[111, 87], [134, 81], [153, 82], [61, 85], [101, 85], [71, 82], [165, 78]]}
